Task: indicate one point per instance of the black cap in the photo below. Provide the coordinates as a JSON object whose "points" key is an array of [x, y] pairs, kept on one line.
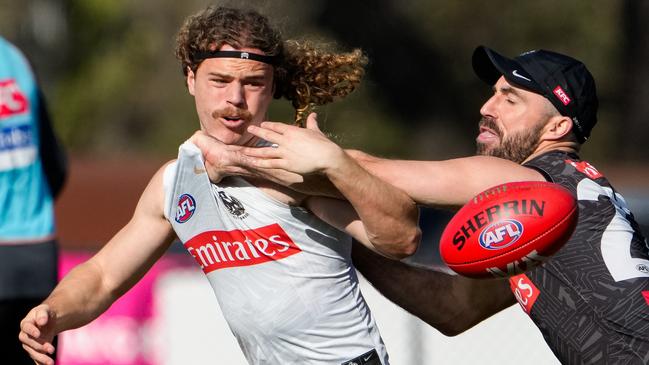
{"points": [[563, 80]]}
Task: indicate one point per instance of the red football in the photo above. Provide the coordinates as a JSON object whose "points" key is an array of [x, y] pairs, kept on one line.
{"points": [[509, 229]]}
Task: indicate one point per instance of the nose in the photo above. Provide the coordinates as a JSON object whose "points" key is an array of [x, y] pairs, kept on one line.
{"points": [[236, 95], [488, 108]]}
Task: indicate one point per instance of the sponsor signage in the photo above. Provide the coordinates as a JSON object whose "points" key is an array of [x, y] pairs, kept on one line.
{"points": [[214, 250], [12, 100], [525, 291]]}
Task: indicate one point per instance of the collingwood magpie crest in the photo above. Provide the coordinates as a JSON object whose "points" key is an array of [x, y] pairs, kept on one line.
{"points": [[233, 205]]}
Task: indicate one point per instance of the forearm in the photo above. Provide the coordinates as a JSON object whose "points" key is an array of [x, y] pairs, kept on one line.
{"points": [[389, 216], [447, 183], [451, 304], [317, 185], [420, 180], [80, 297]]}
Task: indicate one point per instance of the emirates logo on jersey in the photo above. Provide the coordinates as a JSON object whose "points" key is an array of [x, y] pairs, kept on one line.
{"points": [[12, 100], [214, 250]]}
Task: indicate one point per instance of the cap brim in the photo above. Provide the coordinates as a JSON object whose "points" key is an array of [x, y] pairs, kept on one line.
{"points": [[489, 65], [484, 67]]}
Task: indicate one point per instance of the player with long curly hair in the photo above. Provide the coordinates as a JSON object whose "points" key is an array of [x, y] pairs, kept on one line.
{"points": [[279, 262], [305, 73]]}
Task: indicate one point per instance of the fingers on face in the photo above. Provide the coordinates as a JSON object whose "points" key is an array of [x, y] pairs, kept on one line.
{"points": [[280, 128], [196, 136], [265, 157], [268, 163], [312, 122], [262, 152], [265, 134], [233, 147], [200, 139]]}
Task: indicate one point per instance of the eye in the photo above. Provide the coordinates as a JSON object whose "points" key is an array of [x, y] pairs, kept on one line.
{"points": [[510, 101], [218, 82], [255, 85]]}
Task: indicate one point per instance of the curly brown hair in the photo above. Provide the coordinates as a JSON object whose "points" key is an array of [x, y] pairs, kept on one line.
{"points": [[305, 73]]}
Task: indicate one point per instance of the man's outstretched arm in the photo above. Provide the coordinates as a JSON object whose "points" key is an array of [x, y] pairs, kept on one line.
{"points": [[451, 304], [90, 288], [445, 183], [388, 215]]}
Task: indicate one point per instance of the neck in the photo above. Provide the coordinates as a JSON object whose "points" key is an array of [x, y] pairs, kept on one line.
{"points": [[547, 146]]}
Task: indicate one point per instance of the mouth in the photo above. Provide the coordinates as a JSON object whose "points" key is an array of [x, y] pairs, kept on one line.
{"points": [[233, 121], [487, 135]]}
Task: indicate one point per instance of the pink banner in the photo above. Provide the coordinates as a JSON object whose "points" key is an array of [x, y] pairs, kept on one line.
{"points": [[126, 333]]}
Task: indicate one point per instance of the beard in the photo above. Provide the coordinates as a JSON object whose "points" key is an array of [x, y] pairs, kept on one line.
{"points": [[517, 147]]}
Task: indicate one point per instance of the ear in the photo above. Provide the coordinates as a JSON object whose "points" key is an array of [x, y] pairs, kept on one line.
{"points": [[558, 127], [191, 81]]}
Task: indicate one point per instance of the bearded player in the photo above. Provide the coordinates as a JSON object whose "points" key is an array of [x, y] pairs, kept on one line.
{"points": [[590, 300]]}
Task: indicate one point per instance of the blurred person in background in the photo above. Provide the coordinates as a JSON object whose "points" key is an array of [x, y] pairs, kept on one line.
{"points": [[32, 173], [278, 261], [591, 299]]}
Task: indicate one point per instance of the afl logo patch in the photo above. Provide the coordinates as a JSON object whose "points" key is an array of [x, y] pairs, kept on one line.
{"points": [[233, 205], [501, 234], [185, 208]]}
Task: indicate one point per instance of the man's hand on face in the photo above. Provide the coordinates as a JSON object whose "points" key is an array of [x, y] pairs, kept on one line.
{"points": [[221, 160], [303, 151]]}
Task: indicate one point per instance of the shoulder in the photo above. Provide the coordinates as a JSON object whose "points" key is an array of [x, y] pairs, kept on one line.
{"points": [[559, 166], [168, 172], [550, 159], [568, 170], [167, 169], [153, 197]]}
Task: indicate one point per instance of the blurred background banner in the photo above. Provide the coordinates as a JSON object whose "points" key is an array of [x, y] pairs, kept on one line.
{"points": [[118, 100], [125, 334]]}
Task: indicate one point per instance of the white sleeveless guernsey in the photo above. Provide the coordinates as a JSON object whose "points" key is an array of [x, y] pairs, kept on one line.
{"points": [[283, 278]]}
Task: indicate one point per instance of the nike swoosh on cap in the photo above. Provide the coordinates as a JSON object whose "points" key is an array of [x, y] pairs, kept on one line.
{"points": [[515, 73]]}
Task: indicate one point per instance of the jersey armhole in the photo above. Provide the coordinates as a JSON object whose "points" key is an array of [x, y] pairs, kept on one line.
{"points": [[545, 174], [168, 179]]}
